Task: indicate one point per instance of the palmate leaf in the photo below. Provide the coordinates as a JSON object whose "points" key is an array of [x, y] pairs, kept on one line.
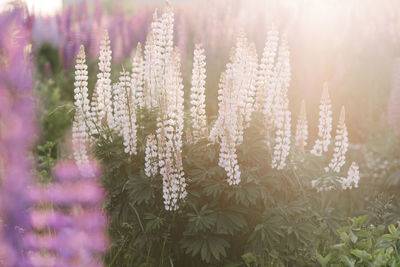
{"points": [[140, 190], [201, 220], [209, 246], [214, 188], [244, 194], [268, 232], [153, 222], [303, 231], [228, 222]]}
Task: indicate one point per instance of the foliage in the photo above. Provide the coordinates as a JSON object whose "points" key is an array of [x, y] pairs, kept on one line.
{"points": [[272, 217], [55, 121], [362, 245]]}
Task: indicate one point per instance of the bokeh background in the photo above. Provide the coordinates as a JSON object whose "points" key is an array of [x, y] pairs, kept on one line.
{"points": [[353, 45]]}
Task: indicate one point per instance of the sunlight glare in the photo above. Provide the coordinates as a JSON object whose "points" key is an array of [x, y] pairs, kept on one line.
{"points": [[44, 7]]}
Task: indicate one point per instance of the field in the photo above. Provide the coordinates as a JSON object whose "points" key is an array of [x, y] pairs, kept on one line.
{"points": [[200, 133]]}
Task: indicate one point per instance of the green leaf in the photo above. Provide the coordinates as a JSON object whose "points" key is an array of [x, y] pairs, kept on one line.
{"points": [[338, 246], [207, 245], [387, 237], [349, 262], [353, 237], [323, 260], [361, 254], [392, 230], [249, 258], [201, 220], [364, 245], [358, 221], [344, 237], [205, 254], [214, 188], [154, 222], [141, 190], [228, 222]]}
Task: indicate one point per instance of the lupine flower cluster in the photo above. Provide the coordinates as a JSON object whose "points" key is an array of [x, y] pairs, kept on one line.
{"points": [[265, 84], [325, 124], [349, 182], [81, 127], [197, 95], [279, 109], [80, 140], [125, 112], [103, 109], [137, 76], [151, 158], [341, 145], [353, 176], [302, 127], [236, 103], [169, 135], [167, 90], [225, 129], [155, 82]]}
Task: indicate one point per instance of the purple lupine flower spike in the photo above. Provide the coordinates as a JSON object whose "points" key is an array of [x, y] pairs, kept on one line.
{"points": [[17, 131], [75, 224]]}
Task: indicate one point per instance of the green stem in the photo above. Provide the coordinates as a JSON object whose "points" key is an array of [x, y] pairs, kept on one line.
{"points": [[118, 252]]}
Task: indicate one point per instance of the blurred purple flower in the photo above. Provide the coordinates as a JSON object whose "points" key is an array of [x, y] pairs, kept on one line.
{"points": [[18, 129], [45, 30], [75, 223], [84, 23], [56, 225]]}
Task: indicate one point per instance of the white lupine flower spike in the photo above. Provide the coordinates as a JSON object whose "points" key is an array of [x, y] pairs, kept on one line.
{"points": [[125, 113], [151, 156], [81, 89], [282, 140], [83, 125], [197, 94], [353, 177], [158, 49], [104, 89], [138, 76], [281, 116], [266, 67], [163, 89], [236, 95], [94, 107], [325, 124], [302, 127], [278, 85], [170, 134], [80, 141], [341, 145]]}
